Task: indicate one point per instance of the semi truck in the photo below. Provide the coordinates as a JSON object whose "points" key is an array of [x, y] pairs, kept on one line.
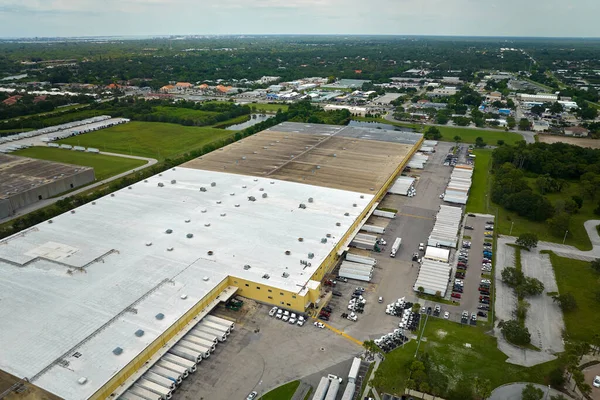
{"points": [[395, 247], [321, 390]]}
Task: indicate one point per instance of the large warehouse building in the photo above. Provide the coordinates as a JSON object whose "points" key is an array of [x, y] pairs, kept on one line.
{"points": [[91, 296], [24, 181]]}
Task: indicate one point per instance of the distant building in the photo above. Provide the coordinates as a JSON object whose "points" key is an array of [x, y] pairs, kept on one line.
{"points": [[428, 104], [494, 96], [540, 126], [543, 97], [275, 88], [568, 105], [362, 111], [577, 131], [183, 85], [167, 88], [37, 99], [12, 100], [443, 92]]}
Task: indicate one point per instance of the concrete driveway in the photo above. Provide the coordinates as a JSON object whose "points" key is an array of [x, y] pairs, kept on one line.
{"points": [[513, 391]]}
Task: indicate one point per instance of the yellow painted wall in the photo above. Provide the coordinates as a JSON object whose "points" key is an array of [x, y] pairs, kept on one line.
{"points": [[268, 294], [141, 359]]}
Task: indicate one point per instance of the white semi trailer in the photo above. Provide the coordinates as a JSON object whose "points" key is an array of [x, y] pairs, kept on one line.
{"points": [[395, 247]]}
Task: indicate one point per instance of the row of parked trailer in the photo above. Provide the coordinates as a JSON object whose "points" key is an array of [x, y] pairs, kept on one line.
{"points": [[162, 379], [329, 386], [54, 128], [75, 148]]}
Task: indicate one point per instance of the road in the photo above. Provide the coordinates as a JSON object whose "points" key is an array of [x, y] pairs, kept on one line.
{"points": [[529, 137], [47, 202], [512, 391]]}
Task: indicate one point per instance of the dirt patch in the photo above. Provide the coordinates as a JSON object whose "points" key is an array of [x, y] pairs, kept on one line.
{"points": [[26, 391], [583, 142], [440, 333]]}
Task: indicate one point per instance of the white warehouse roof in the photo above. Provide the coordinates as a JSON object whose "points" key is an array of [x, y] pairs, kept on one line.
{"points": [[86, 282], [433, 277], [437, 254]]}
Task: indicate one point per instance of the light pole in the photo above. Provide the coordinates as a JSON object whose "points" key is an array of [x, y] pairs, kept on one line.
{"points": [[511, 226], [565, 238]]}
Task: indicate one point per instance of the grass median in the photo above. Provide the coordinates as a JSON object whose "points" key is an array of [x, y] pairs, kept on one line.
{"points": [[283, 392]]}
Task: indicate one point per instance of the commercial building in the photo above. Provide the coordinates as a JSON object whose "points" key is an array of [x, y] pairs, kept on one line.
{"points": [[24, 181], [577, 131], [541, 97], [92, 295]]}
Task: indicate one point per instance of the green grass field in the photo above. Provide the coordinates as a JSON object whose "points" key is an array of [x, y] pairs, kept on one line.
{"points": [[73, 116], [187, 113], [270, 108], [56, 111], [149, 139], [104, 166], [477, 202], [283, 392], [467, 135], [446, 347], [578, 278]]}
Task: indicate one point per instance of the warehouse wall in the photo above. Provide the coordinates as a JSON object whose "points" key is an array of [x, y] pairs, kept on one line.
{"points": [[140, 360], [270, 295], [51, 189]]}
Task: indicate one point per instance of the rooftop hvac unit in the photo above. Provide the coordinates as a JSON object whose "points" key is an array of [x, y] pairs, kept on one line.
{"points": [[203, 189], [160, 184], [310, 200], [139, 333], [213, 184], [189, 235], [328, 235], [169, 231], [205, 279], [251, 198], [159, 316], [285, 275], [117, 350], [287, 252], [264, 195], [354, 205], [311, 255], [173, 181], [266, 276], [302, 205], [323, 240], [338, 224], [247, 267], [362, 196], [82, 380], [347, 214]]}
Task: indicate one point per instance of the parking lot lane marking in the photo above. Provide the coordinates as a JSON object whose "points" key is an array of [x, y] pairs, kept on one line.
{"points": [[415, 216], [331, 328]]}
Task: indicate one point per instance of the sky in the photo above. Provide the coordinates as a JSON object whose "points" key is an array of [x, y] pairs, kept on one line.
{"points": [[545, 18]]}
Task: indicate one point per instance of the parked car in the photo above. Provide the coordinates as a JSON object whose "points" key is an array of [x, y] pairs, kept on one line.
{"points": [[319, 324], [446, 315], [456, 295], [490, 222], [471, 215], [380, 299], [481, 314], [596, 381], [279, 314], [336, 293], [252, 396], [273, 311], [468, 227]]}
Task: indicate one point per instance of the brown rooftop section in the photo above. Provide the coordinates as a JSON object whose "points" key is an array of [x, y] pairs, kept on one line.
{"points": [[20, 174], [328, 160]]}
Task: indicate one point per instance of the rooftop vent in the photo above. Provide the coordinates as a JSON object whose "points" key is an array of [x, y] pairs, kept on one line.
{"points": [[265, 147], [255, 179], [72, 211], [210, 253], [311, 255], [203, 189], [146, 180], [159, 174], [203, 210], [335, 155], [264, 195], [169, 249], [93, 203], [255, 152], [213, 184], [354, 205], [160, 184], [247, 267], [50, 221], [310, 200], [159, 316], [169, 231], [223, 214], [129, 187], [189, 235], [362, 196], [347, 214], [285, 275], [318, 167], [117, 351], [183, 296], [287, 252], [237, 205], [261, 189], [323, 240], [205, 278], [266, 276], [218, 201], [301, 239], [82, 380], [338, 224], [244, 186], [371, 189], [207, 224], [139, 333], [112, 195], [232, 194], [272, 182], [148, 244], [328, 235], [173, 169], [187, 221], [251, 198], [343, 148], [173, 181], [302, 205], [243, 157]]}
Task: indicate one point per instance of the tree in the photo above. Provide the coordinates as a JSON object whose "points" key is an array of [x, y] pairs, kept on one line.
{"points": [[433, 133], [511, 122], [515, 333], [538, 110], [532, 287], [512, 277], [557, 377], [527, 240], [500, 142], [559, 224], [457, 139], [578, 200], [531, 392], [479, 142], [524, 124], [482, 387], [565, 301], [596, 265], [421, 289], [556, 108], [371, 347]]}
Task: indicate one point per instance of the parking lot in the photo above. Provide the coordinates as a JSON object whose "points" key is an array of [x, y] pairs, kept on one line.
{"points": [[264, 352]]}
